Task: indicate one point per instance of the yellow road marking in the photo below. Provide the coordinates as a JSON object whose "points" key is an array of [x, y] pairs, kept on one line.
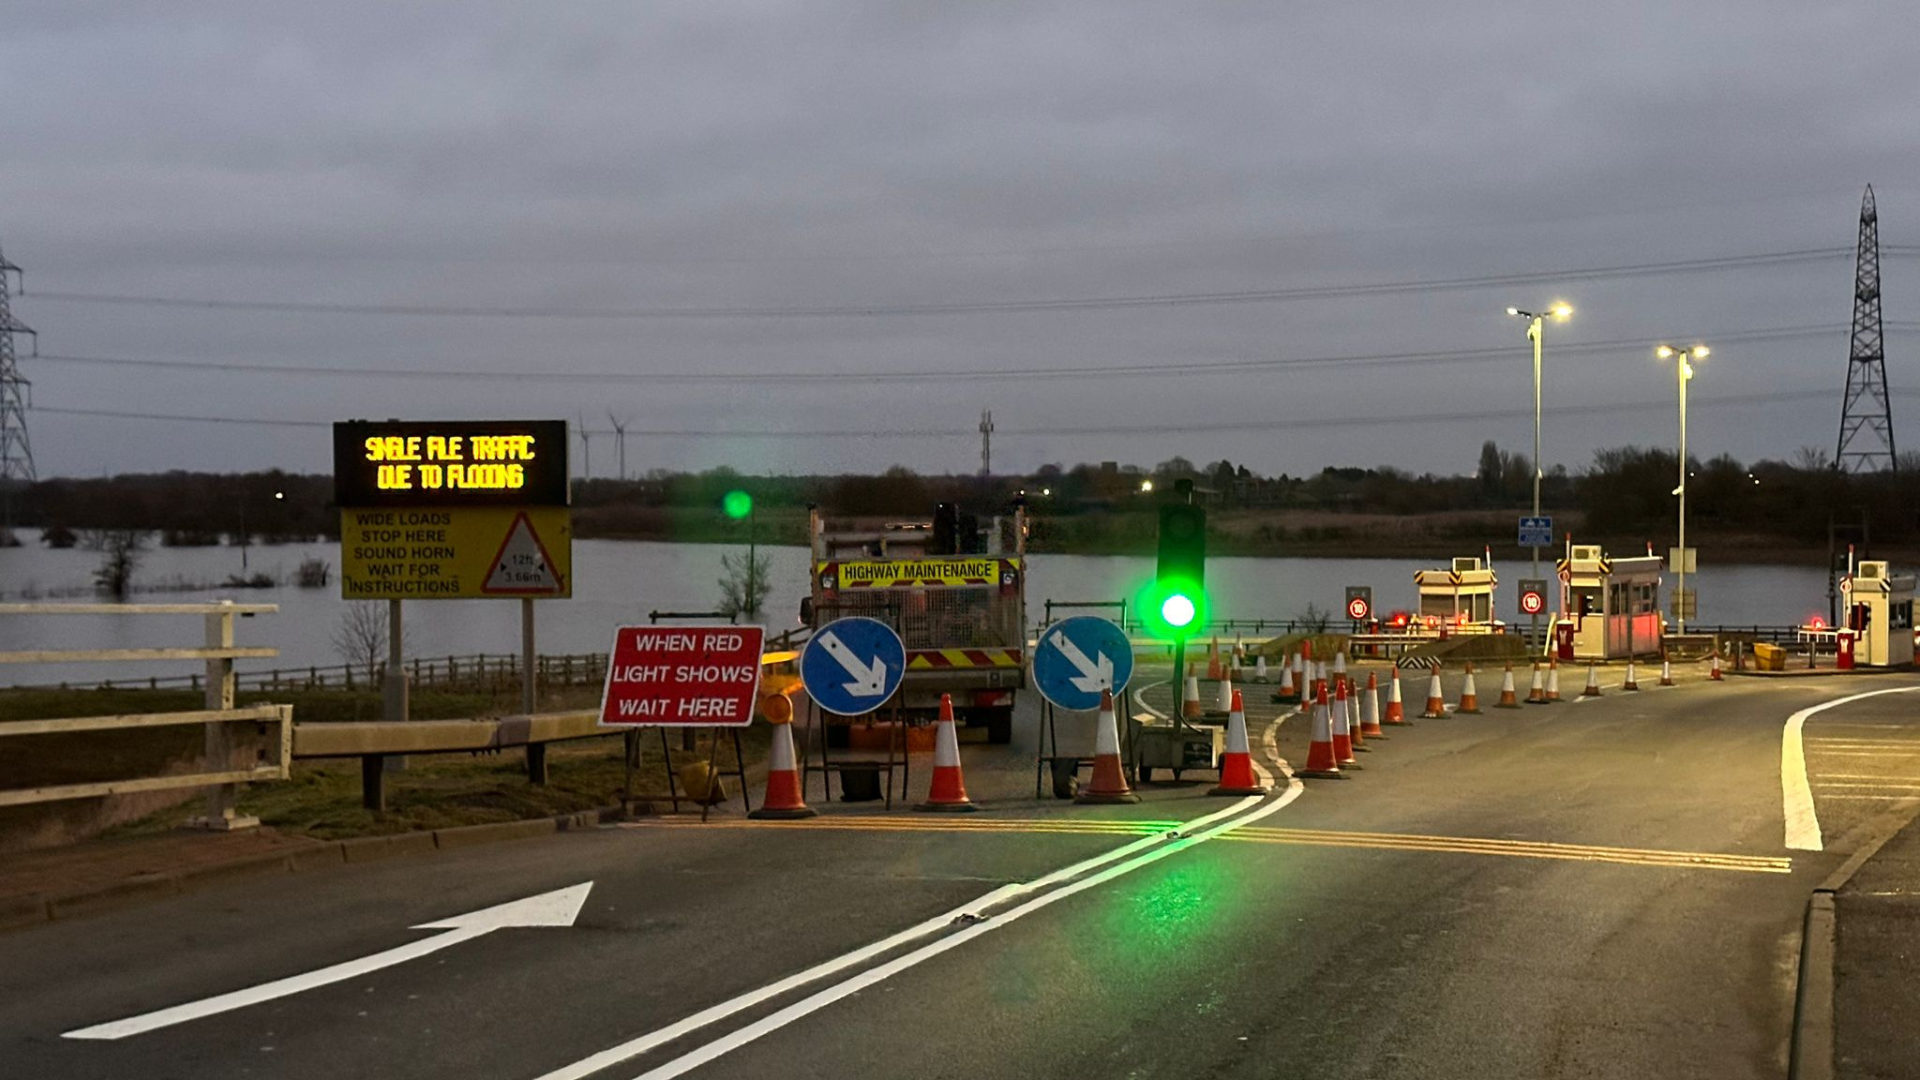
{"points": [[1462, 845]]}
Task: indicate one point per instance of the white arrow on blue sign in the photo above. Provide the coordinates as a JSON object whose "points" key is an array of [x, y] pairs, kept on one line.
{"points": [[1077, 658], [852, 666]]}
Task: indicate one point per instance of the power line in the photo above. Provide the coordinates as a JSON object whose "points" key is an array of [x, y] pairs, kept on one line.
{"points": [[1157, 368], [1117, 428], [879, 310]]}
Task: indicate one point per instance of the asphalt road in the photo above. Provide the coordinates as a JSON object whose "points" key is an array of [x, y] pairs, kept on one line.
{"points": [[1597, 888]]}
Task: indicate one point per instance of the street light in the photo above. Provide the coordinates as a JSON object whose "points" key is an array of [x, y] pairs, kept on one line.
{"points": [[1560, 312], [1146, 485], [1683, 373]]}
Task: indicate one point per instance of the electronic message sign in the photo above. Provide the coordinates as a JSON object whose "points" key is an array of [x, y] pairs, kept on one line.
{"points": [[450, 463]]}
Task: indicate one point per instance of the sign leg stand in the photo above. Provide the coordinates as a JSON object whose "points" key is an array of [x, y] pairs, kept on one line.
{"points": [[713, 756], [740, 770], [673, 785], [393, 690]]}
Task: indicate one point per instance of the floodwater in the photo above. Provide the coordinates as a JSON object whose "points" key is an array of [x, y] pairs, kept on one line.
{"points": [[619, 582]]}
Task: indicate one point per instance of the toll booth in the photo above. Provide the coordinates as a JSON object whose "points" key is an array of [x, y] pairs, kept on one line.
{"points": [[1880, 613], [1609, 608], [1459, 596]]}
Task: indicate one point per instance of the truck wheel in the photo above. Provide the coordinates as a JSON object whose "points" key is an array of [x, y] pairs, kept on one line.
{"points": [[1142, 773], [999, 725]]}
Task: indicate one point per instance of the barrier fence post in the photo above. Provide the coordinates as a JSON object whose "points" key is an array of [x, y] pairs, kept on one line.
{"points": [[220, 814]]}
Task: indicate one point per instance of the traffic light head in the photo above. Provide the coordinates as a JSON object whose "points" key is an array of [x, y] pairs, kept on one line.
{"points": [[1176, 602]]}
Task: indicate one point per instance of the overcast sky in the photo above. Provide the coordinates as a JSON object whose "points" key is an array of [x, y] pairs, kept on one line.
{"points": [[688, 174]]}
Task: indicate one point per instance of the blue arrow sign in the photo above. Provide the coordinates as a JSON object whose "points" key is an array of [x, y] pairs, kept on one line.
{"points": [[1536, 532], [852, 666], [1077, 658]]}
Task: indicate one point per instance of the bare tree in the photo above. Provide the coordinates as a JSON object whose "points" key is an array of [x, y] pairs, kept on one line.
{"points": [[361, 637], [744, 589], [1811, 459], [120, 556], [1315, 619]]}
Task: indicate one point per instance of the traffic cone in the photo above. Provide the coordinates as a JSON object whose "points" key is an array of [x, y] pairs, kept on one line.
{"points": [[1260, 669], [1340, 664], [1370, 710], [1298, 671], [1631, 683], [1109, 783], [1436, 706], [785, 801], [1213, 661], [1322, 762], [1714, 672], [1289, 684], [1356, 732], [1469, 696], [1396, 711], [1593, 681], [1319, 678], [949, 789], [1553, 680], [1537, 692], [1236, 765], [1509, 697], [1666, 671], [1226, 696], [1190, 702], [1342, 730]]}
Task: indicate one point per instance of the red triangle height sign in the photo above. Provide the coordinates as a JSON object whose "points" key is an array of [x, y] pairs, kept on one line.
{"points": [[522, 567]]}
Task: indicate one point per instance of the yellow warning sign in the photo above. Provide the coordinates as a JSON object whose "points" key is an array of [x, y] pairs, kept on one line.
{"points": [[456, 553], [906, 573]]}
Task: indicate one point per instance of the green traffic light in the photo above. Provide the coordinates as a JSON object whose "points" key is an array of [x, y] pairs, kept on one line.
{"points": [[1177, 610], [736, 504]]}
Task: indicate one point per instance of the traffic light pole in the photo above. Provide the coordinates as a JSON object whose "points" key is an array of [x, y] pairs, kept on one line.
{"points": [[1179, 682]]}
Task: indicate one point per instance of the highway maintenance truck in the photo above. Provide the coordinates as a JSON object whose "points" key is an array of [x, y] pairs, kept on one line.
{"points": [[953, 587]]}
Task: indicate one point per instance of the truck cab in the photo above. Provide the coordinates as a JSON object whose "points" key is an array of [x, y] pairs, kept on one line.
{"points": [[954, 589]]}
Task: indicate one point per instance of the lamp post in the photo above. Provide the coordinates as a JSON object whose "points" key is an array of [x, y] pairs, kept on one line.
{"points": [[1683, 373], [1560, 311]]}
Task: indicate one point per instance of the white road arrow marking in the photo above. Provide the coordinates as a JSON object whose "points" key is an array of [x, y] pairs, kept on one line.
{"points": [[557, 908], [868, 681], [1093, 677]]}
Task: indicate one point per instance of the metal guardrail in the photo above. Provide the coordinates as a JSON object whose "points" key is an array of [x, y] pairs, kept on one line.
{"points": [[219, 653]]}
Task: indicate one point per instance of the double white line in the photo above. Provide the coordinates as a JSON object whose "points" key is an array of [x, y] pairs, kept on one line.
{"points": [[982, 916]]}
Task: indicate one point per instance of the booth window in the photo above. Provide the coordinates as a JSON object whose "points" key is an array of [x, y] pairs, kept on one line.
{"points": [[1901, 615]]}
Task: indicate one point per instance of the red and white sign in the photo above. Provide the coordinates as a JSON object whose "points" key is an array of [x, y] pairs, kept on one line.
{"points": [[1358, 609], [1532, 603], [682, 676]]}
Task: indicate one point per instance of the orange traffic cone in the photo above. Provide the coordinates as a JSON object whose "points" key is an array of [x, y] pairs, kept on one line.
{"points": [[1322, 762], [1714, 672], [949, 788], [1260, 669], [1299, 669], [1631, 683], [1666, 671], [1553, 680], [1340, 665], [1213, 661], [1236, 765], [1319, 678], [1342, 730], [1537, 692], [1396, 710], [1593, 681], [1356, 731], [1190, 701], [785, 800], [1289, 681], [1509, 697], [1109, 783], [1370, 710], [1469, 696], [1436, 705]]}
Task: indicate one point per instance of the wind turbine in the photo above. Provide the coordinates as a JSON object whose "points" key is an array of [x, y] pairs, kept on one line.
{"points": [[620, 442]]}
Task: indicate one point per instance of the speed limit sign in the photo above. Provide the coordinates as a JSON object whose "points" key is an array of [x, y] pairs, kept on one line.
{"points": [[1533, 596], [1359, 602]]}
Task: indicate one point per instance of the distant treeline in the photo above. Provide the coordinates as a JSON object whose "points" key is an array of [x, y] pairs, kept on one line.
{"points": [[1624, 492]]}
